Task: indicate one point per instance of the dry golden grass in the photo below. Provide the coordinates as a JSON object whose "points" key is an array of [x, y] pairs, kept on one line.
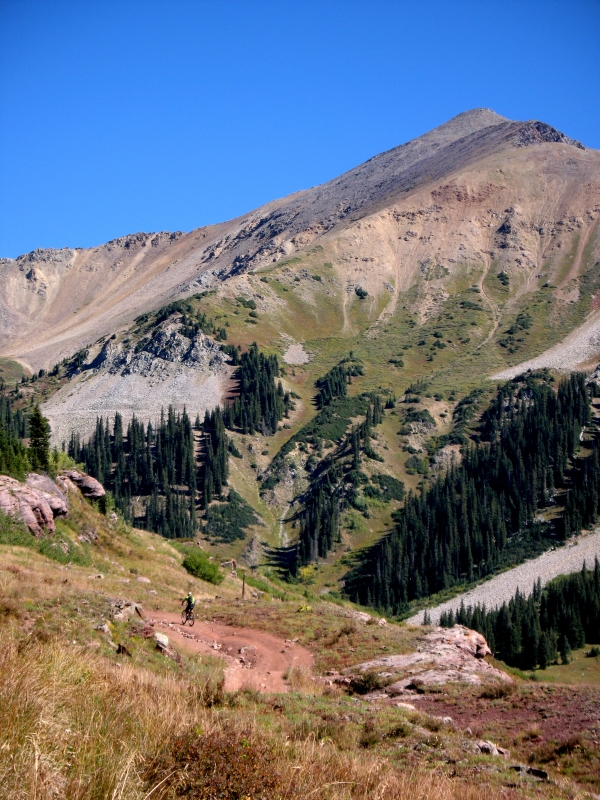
{"points": [[301, 679], [77, 721], [75, 726]]}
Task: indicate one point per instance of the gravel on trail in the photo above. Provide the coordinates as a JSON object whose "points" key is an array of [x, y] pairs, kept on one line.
{"points": [[550, 564]]}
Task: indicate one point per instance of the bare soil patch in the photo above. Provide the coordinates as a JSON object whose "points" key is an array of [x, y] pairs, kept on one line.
{"points": [[255, 659], [296, 354]]}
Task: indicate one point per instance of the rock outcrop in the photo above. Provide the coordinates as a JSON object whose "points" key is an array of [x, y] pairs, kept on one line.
{"points": [[166, 353], [88, 486], [446, 655], [36, 502]]}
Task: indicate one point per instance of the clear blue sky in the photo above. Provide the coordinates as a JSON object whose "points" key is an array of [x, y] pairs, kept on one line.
{"points": [[124, 115]]}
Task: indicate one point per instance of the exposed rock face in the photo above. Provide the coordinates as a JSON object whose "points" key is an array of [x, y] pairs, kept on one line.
{"points": [[58, 495], [37, 502], [447, 655], [159, 355], [166, 369], [88, 486]]}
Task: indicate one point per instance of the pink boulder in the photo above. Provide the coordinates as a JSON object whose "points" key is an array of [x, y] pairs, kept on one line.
{"points": [[88, 486], [33, 504]]}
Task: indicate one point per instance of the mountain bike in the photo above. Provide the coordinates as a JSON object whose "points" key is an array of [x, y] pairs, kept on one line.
{"points": [[187, 615]]}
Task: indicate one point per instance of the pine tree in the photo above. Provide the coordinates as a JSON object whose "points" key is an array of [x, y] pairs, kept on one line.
{"points": [[39, 441]]}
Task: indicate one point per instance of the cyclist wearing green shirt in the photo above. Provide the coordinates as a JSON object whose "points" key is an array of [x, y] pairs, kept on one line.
{"points": [[190, 603]]}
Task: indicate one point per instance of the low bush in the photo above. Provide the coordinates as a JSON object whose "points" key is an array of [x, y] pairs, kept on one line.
{"points": [[366, 682], [197, 563], [391, 488], [498, 691]]}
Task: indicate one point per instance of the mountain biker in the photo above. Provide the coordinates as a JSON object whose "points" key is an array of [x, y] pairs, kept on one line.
{"points": [[190, 603]]}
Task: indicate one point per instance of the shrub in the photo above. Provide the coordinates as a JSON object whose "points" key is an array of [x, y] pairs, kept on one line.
{"points": [[361, 293], [198, 564], [420, 415], [498, 691], [392, 488], [370, 735], [246, 303], [366, 682], [416, 465]]}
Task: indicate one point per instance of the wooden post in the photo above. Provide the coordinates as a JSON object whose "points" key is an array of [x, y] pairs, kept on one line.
{"points": [[243, 584]]}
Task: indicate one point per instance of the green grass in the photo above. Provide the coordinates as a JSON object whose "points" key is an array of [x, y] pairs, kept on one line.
{"points": [[581, 670], [11, 371], [61, 547]]}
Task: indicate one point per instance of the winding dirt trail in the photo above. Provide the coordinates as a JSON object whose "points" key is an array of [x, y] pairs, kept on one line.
{"points": [[255, 659], [491, 304]]}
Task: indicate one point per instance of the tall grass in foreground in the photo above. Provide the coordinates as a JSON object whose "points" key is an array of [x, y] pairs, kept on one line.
{"points": [[75, 726]]}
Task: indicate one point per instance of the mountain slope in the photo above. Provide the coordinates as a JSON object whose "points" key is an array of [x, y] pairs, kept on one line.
{"points": [[54, 302]]}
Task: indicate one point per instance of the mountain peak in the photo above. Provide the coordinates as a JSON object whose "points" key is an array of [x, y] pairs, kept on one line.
{"points": [[487, 116], [463, 124]]}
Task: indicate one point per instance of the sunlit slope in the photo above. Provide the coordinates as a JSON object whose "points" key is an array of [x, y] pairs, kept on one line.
{"points": [[475, 196]]}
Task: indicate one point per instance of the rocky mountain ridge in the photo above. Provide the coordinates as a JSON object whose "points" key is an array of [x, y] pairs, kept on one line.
{"points": [[466, 173]]}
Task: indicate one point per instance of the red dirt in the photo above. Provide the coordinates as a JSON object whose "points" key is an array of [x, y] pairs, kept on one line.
{"points": [[558, 712], [261, 666]]}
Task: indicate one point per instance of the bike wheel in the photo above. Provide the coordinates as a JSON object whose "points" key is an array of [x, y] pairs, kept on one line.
{"points": [[183, 617], [191, 619]]}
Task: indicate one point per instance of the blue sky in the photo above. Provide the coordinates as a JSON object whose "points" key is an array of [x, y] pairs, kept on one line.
{"points": [[118, 116]]}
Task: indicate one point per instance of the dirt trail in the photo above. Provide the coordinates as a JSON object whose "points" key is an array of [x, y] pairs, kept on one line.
{"points": [[255, 659], [491, 304]]}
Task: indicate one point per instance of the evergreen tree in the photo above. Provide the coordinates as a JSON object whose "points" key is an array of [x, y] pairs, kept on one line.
{"points": [[39, 441], [14, 459], [260, 404], [530, 632], [332, 385]]}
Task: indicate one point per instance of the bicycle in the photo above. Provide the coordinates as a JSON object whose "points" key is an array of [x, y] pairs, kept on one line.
{"points": [[187, 616]]}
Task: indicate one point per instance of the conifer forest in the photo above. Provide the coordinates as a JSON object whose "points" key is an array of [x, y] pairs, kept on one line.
{"points": [[530, 632], [484, 512], [177, 466]]}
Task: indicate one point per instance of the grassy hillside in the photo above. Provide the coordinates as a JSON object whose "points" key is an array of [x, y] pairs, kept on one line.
{"points": [[441, 337], [96, 712]]}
